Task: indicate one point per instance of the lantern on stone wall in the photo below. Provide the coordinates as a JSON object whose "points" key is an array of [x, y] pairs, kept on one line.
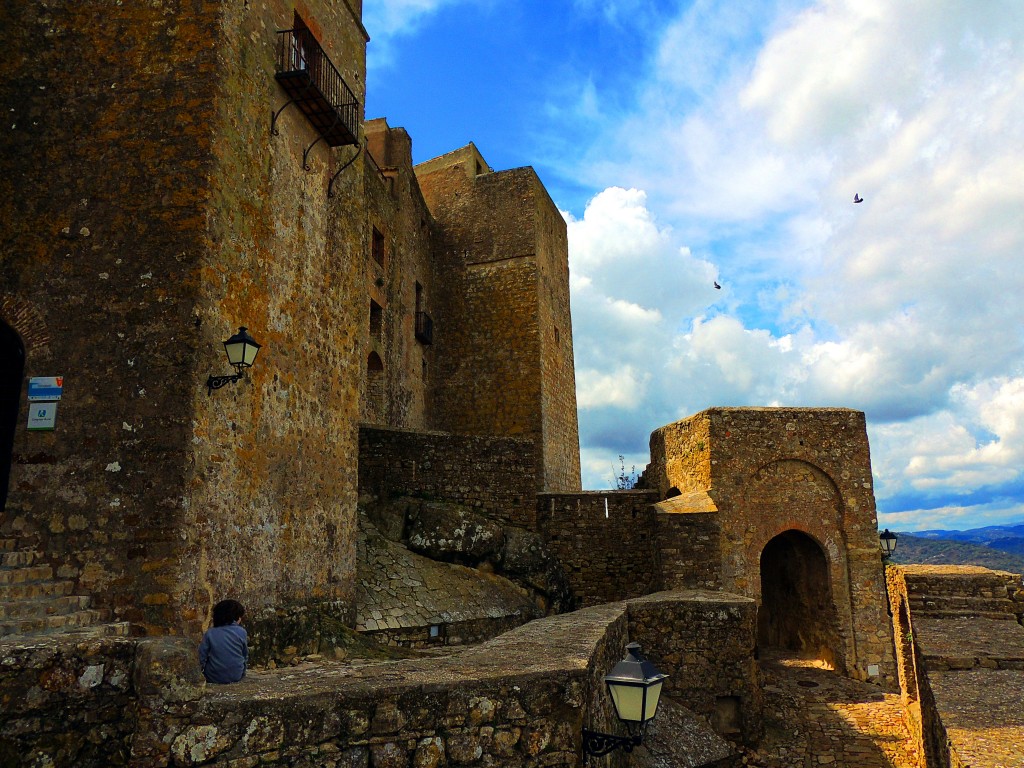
{"points": [[888, 542], [241, 350], [635, 687]]}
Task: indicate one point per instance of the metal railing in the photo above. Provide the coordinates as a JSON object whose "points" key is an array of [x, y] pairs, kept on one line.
{"points": [[315, 84]]}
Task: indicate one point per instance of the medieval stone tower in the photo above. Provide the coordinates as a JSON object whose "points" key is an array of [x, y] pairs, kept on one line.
{"points": [[172, 171]]}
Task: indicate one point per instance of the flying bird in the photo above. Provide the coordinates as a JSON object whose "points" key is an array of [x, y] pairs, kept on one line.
{"points": [[857, 198], [717, 285]]}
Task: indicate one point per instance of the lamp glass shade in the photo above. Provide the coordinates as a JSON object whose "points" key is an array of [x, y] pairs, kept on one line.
{"points": [[241, 349], [635, 686], [888, 541]]}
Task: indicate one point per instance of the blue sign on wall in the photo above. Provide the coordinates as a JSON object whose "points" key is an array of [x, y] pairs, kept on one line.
{"points": [[46, 388]]}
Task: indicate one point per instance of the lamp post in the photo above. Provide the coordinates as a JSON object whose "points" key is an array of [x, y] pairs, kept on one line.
{"points": [[241, 350], [888, 542], [635, 687]]}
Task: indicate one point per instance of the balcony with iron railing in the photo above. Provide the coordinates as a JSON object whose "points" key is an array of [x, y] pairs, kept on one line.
{"points": [[314, 84], [424, 328]]}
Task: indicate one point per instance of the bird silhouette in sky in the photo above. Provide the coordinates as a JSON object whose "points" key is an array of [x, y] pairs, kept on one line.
{"points": [[717, 285], [857, 198]]}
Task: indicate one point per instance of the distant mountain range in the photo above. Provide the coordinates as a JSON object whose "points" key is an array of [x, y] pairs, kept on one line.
{"points": [[995, 546]]}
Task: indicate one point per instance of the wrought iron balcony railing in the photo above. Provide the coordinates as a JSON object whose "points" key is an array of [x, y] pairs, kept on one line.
{"points": [[314, 84], [424, 328]]}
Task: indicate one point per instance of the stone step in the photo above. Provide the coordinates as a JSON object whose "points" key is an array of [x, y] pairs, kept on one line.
{"points": [[960, 603], [981, 584], [17, 558], [962, 614], [34, 589], [26, 574], [43, 624], [47, 606]]}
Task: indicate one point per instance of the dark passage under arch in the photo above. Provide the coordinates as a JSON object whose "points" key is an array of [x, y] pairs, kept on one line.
{"points": [[797, 612], [12, 368]]}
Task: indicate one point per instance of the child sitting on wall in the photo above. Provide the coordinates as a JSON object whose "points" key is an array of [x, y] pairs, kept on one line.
{"points": [[225, 647]]}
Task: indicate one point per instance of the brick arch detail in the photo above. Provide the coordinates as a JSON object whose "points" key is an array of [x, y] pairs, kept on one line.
{"points": [[29, 323]]}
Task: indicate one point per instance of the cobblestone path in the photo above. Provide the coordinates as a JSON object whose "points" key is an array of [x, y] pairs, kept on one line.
{"points": [[816, 718]]}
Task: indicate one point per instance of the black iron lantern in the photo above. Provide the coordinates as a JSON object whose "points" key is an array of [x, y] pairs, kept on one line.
{"points": [[241, 350], [635, 687], [888, 541]]}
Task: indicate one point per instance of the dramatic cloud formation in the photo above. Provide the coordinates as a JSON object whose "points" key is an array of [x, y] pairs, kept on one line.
{"points": [[690, 142], [903, 306]]}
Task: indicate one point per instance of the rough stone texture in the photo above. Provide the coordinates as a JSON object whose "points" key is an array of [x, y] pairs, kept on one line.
{"points": [[168, 215], [960, 655], [816, 717], [771, 470], [519, 700], [605, 540], [504, 308], [706, 641], [67, 702], [451, 533], [146, 244], [492, 476], [401, 595], [677, 738]]}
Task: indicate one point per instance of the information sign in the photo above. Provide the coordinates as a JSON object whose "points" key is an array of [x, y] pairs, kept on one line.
{"points": [[45, 388]]}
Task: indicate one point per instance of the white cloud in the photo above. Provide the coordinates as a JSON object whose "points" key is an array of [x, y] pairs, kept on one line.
{"points": [[903, 306]]}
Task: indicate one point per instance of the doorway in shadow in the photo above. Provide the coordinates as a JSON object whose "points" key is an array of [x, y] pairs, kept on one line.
{"points": [[797, 613], [12, 368]]}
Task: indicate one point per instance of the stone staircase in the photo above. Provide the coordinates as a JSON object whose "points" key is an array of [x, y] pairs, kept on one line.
{"points": [[33, 602], [961, 591]]}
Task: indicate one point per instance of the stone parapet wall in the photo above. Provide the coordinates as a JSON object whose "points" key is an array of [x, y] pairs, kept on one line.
{"points": [[690, 549], [67, 703], [605, 540], [707, 642], [491, 475], [961, 663], [520, 700]]}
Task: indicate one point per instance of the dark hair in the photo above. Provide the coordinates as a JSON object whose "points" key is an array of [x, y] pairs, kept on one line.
{"points": [[227, 612]]}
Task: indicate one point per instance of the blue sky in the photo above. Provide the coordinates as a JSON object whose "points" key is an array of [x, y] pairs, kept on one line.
{"points": [[688, 142]]}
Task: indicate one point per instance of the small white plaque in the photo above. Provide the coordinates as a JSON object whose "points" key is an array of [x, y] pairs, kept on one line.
{"points": [[42, 416], [872, 670]]}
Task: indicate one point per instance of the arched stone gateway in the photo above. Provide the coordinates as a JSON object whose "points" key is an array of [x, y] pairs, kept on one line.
{"points": [[797, 610], [12, 367]]}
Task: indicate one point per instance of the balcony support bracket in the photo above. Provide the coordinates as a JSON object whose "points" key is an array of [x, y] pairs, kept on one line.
{"points": [[330, 186], [275, 115]]}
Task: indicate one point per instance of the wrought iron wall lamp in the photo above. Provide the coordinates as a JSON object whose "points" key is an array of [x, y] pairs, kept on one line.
{"points": [[635, 687], [888, 542], [241, 350]]}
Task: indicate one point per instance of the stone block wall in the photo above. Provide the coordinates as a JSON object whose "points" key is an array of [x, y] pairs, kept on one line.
{"points": [[771, 470], [404, 284], [67, 703], [689, 545], [520, 700], [605, 540], [493, 476], [502, 251], [706, 641], [168, 217]]}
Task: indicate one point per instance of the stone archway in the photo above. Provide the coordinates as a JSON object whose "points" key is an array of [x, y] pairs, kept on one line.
{"points": [[12, 368], [797, 612]]}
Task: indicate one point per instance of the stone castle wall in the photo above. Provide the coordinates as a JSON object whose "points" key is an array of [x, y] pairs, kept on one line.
{"points": [[170, 217], [605, 542], [103, 494], [499, 370], [402, 285], [500, 704], [766, 471], [492, 476]]}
